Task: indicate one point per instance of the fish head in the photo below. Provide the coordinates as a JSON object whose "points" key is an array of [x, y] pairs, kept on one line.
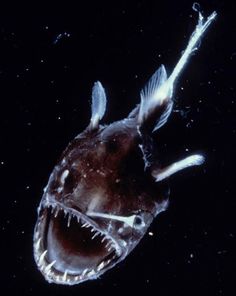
{"points": [[99, 202]]}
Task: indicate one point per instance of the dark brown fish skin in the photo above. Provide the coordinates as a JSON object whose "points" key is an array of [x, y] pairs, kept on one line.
{"points": [[108, 163]]}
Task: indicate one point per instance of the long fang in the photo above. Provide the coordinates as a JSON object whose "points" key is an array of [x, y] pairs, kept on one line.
{"points": [[42, 257], [69, 219]]}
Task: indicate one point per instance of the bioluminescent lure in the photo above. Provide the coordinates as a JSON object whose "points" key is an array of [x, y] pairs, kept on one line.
{"points": [[106, 189]]}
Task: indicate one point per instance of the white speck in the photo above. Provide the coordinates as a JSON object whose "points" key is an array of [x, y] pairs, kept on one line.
{"points": [[221, 252], [150, 233], [27, 187], [60, 36], [120, 230], [191, 255], [2, 162]]}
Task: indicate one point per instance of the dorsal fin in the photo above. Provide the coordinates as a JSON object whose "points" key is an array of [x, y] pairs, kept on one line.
{"points": [[150, 94], [154, 83], [98, 104], [165, 115]]}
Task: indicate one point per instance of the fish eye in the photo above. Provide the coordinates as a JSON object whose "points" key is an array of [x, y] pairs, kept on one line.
{"points": [[138, 222]]}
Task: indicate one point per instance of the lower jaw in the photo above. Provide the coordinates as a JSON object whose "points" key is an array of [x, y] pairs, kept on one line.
{"points": [[64, 277], [57, 277]]}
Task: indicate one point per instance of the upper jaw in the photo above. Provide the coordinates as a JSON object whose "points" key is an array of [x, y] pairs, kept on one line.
{"points": [[114, 247]]}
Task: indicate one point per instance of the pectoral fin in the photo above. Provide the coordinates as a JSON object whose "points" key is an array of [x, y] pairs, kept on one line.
{"points": [[161, 174]]}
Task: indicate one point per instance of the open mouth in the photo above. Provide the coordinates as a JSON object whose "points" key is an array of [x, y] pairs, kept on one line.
{"points": [[70, 248]]}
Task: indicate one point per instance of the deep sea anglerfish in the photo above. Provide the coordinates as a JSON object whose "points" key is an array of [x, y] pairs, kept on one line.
{"points": [[106, 188]]}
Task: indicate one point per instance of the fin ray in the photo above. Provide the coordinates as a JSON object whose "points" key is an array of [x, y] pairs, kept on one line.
{"points": [[148, 93], [98, 104]]}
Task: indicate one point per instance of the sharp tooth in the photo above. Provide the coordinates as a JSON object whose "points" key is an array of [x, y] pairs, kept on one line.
{"points": [[108, 261], [100, 266], [87, 225], [76, 278], [37, 245], [64, 276], [118, 251], [96, 234], [69, 219], [84, 225], [36, 234], [56, 212], [103, 239], [77, 218], [48, 268], [92, 272], [65, 212], [108, 244], [84, 272], [92, 230], [42, 257], [109, 249]]}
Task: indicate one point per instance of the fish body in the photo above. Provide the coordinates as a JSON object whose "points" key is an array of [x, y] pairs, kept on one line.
{"points": [[106, 188]]}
